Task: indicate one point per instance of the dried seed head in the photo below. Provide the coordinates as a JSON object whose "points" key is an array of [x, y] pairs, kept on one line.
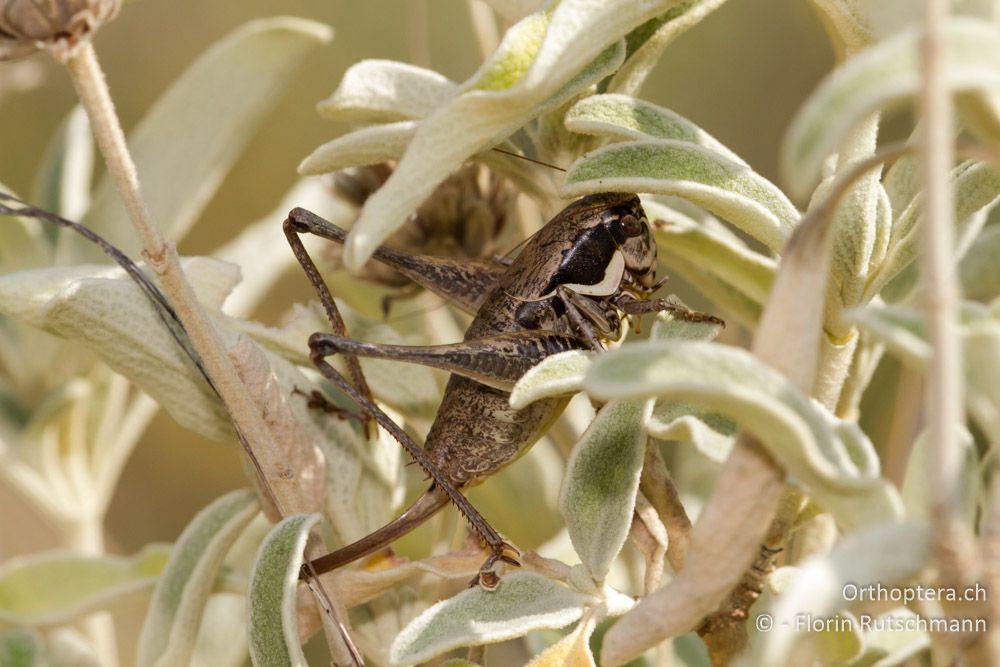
{"points": [[55, 25], [463, 218]]}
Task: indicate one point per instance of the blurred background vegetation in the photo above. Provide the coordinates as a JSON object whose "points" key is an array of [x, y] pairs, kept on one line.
{"points": [[740, 75]]}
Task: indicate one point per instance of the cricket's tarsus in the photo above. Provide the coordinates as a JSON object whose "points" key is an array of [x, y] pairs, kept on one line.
{"points": [[573, 281]]}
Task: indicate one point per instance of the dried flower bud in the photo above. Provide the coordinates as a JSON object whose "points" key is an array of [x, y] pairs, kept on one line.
{"points": [[56, 25], [462, 218]]}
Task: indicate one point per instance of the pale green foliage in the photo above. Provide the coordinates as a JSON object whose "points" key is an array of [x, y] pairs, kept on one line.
{"points": [[731, 381], [561, 81], [18, 648], [602, 478], [219, 102], [60, 587], [556, 375], [881, 75], [271, 599], [175, 612], [728, 189], [622, 117], [86, 303], [522, 602]]}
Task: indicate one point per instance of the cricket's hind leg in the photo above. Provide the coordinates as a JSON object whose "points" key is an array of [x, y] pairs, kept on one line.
{"points": [[443, 489], [422, 509], [300, 222]]}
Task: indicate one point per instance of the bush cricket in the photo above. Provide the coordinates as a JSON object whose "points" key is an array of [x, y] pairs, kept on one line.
{"points": [[568, 288]]}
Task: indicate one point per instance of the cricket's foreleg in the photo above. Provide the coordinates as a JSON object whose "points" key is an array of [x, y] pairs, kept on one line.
{"points": [[633, 306], [498, 361], [500, 549], [578, 317], [465, 283]]}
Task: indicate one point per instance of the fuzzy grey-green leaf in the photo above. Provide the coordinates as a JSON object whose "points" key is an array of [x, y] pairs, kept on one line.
{"points": [[376, 91], [556, 375], [980, 269], [733, 382], [741, 269], [728, 189], [671, 325], [711, 433], [622, 117], [522, 602], [878, 76], [582, 45], [271, 615], [105, 311], [369, 145], [977, 187], [602, 478], [58, 587], [175, 612], [898, 327]]}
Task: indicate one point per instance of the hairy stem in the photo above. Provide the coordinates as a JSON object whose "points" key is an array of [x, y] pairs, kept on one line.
{"points": [[940, 290], [88, 79], [944, 393], [92, 89]]}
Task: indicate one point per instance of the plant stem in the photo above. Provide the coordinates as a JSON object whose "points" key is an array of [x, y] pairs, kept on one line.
{"points": [[940, 291], [956, 559], [87, 537], [91, 87], [88, 79]]}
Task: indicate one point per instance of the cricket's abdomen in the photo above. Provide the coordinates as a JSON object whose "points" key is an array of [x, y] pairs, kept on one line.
{"points": [[477, 432]]}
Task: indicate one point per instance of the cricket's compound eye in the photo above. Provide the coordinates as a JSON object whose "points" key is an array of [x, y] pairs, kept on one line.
{"points": [[639, 249], [631, 225], [624, 226]]}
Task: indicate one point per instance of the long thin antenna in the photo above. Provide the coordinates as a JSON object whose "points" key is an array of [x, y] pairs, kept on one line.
{"points": [[529, 159]]}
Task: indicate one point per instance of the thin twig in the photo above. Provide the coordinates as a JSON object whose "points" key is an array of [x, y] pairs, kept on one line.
{"points": [[88, 79]]}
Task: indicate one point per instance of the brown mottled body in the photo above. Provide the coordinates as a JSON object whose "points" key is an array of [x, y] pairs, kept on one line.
{"points": [[477, 432], [567, 289]]}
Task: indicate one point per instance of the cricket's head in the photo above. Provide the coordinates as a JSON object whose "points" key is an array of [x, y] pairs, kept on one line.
{"points": [[629, 228], [618, 233], [598, 246]]}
